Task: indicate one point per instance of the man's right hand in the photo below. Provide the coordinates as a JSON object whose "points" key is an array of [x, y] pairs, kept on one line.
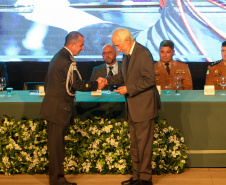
{"points": [[102, 82]]}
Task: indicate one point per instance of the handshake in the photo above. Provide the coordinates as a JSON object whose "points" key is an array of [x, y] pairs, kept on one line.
{"points": [[102, 82]]}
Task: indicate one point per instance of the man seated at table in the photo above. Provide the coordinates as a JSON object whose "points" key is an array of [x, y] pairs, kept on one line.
{"points": [[217, 69], [166, 68], [110, 67], [3, 71]]}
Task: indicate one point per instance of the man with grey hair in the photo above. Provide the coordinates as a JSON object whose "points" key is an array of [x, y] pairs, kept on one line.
{"points": [[142, 102], [110, 67]]}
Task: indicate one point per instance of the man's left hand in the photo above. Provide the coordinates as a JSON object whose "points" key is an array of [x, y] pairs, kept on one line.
{"points": [[122, 90]]}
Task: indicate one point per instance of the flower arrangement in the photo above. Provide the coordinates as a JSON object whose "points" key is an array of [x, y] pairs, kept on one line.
{"points": [[93, 146]]}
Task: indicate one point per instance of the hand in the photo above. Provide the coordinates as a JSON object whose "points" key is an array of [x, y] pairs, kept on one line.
{"points": [[102, 82], [122, 90]]}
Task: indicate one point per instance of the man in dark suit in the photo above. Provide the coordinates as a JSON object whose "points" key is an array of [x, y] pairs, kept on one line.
{"points": [[142, 102], [110, 67], [62, 81]]}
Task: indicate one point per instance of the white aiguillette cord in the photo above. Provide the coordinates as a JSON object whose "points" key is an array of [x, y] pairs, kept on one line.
{"points": [[69, 80]]}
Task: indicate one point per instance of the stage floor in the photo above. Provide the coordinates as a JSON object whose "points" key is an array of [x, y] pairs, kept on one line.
{"points": [[192, 176]]}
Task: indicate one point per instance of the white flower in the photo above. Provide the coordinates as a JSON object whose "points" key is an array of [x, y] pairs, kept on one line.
{"points": [[171, 139], [109, 159], [170, 128], [107, 128], [163, 153], [9, 146], [98, 166], [101, 122], [118, 123], [174, 154], [86, 166], [72, 131], [153, 164], [5, 160], [165, 130], [67, 138]]}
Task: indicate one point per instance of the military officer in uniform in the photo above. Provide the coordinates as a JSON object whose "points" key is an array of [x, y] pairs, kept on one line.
{"points": [[166, 69], [62, 81], [217, 69]]}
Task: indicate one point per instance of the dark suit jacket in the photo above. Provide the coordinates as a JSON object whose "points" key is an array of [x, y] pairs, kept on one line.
{"points": [[101, 71], [57, 106], [143, 99]]}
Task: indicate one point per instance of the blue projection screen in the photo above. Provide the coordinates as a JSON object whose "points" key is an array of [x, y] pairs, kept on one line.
{"points": [[34, 30]]}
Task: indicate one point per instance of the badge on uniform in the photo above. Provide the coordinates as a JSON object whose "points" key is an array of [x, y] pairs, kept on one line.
{"points": [[157, 72], [87, 85]]}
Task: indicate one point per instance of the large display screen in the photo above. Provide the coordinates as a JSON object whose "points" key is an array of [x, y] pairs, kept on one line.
{"points": [[34, 30]]}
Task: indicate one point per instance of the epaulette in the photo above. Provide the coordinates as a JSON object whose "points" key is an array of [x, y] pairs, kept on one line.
{"points": [[181, 62], [214, 63], [72, 59]]}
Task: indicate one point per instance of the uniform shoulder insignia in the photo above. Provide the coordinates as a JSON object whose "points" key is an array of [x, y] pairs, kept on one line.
{"points": [[180, 62], [72, 59], [214, 63]]}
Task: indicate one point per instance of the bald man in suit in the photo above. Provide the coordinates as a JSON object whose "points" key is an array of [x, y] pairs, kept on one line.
{"points": [[110, 67]]}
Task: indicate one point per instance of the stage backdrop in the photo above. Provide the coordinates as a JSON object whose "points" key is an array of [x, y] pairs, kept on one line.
{"points": [[35, 30]]}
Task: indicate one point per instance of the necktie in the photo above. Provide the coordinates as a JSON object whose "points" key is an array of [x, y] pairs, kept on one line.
{"points": [[110, 73], [127, 63], [167, 68]]}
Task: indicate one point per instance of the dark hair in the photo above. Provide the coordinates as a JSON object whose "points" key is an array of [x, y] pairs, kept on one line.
{"points": [[167, 43], [224, 44], [72, 37]]}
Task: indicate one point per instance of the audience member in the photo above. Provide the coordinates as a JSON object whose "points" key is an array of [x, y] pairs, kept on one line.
{"points": [[110, 67]]}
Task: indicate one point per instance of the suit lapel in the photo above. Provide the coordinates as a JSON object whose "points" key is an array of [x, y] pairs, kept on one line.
{"points": [[104, 70], [124, 63], [132, 59]]}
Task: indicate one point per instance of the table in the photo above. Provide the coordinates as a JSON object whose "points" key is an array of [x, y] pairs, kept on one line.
{"points": [[200, 119]]}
